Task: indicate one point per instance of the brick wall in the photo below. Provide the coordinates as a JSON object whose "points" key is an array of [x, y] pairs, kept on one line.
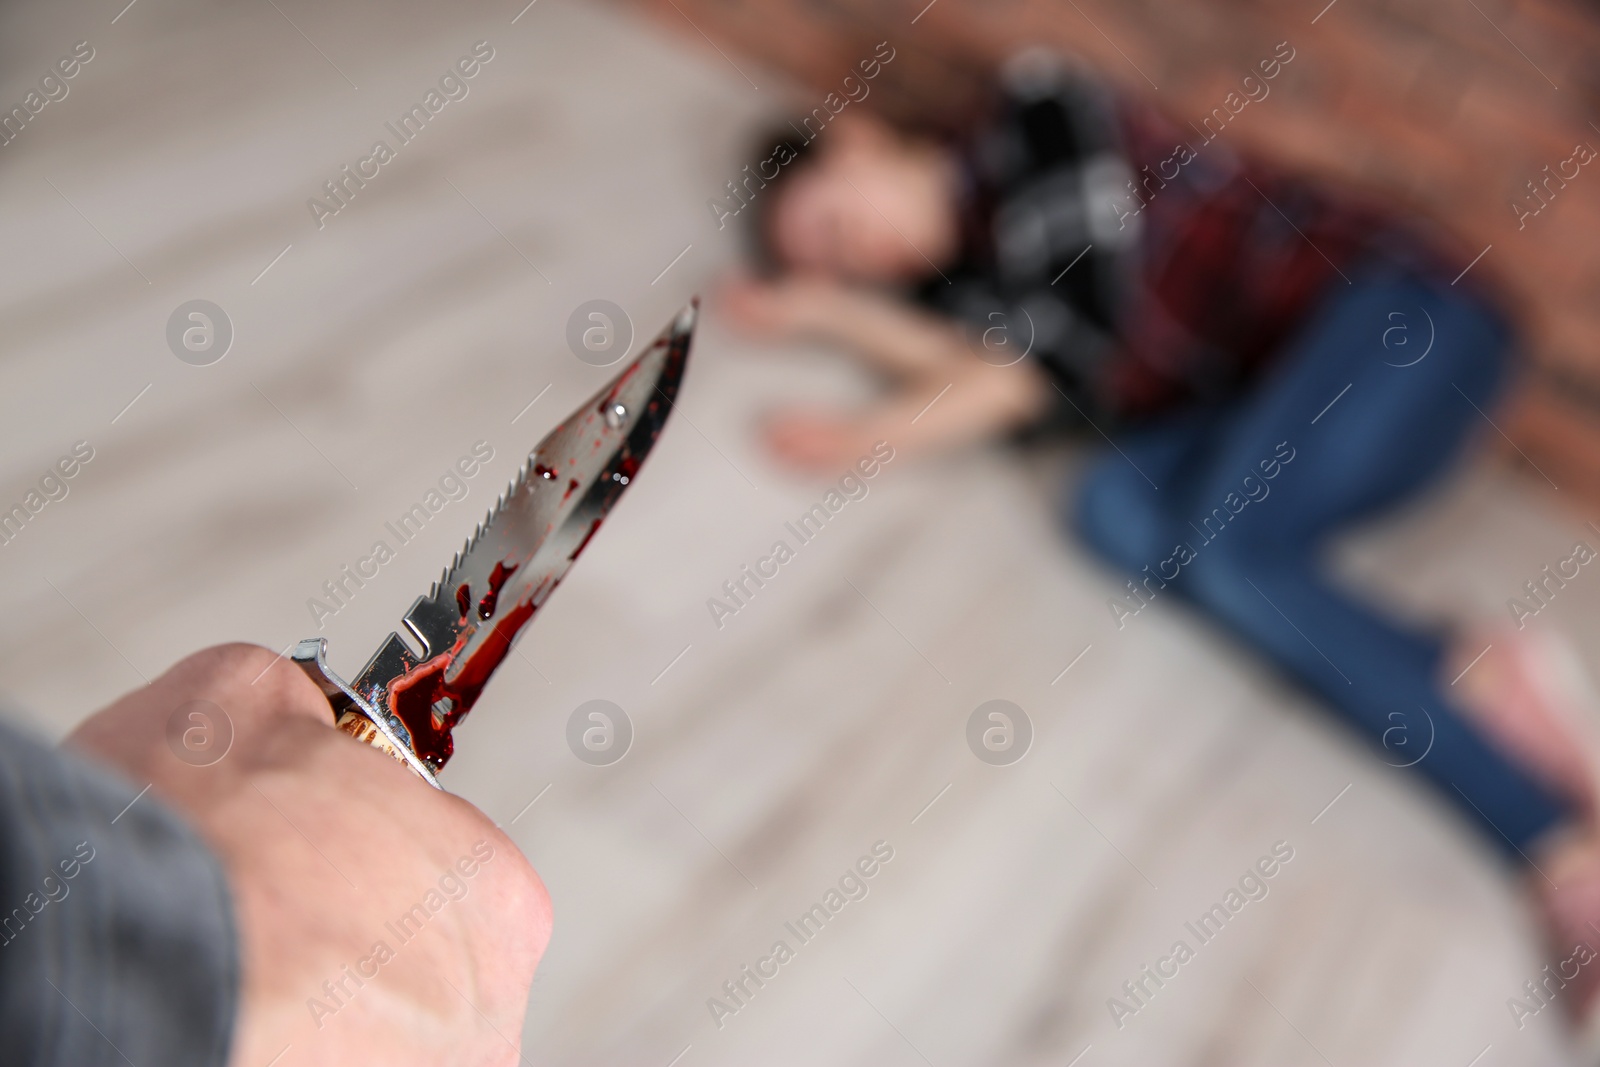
{"points": [[1448, 108]]}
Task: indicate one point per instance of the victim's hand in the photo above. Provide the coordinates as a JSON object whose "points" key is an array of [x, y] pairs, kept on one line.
{"points": [[778, 309], [381, 921]]}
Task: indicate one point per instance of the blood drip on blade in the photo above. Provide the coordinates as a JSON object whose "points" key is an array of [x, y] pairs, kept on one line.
{"points": [[497, 580], [434, 695]]}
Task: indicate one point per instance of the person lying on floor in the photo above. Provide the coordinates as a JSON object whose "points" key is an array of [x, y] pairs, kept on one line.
{"points": [[1258, 356]]}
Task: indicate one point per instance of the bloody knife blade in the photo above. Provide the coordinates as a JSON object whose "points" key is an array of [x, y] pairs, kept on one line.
{"points": [[407, 702]]}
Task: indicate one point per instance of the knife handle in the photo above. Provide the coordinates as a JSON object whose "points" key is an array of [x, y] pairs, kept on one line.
{"points": [[352, 714], [357, 725]]}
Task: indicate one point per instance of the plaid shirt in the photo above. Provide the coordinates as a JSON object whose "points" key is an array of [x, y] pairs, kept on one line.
{"points": [[1144, 269]]}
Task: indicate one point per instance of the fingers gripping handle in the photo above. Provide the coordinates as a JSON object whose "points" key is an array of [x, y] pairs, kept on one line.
{"points": [[352, 714]]}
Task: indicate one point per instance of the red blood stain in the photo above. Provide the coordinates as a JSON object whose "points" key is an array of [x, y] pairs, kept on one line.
{"points": [[593, 526], [463, 599], [497, 579], [413, 695], [542, 471], [617, 386]]}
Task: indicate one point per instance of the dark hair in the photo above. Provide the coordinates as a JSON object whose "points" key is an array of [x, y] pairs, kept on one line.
{"points": [[758, 234]]}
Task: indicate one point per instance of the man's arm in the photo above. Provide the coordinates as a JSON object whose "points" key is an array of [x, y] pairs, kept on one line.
{"points": [[117, 937], [362, 916]]}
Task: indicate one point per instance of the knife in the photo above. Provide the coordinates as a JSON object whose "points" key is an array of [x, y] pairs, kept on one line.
{"points": [[407, 701]]}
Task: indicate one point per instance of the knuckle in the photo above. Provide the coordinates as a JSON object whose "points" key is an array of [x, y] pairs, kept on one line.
{"points": [[249, 678], [526, 901], [230, 658]]}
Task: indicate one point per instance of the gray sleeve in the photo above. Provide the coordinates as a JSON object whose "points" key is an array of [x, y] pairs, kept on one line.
{"points": [[117, 937]]}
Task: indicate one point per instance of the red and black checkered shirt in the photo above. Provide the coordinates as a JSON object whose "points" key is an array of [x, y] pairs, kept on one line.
{"points": [[1145, 266], [1229, 263]]}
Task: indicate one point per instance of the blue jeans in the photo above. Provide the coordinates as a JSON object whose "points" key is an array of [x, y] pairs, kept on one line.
{"points": [[1364, 430]]}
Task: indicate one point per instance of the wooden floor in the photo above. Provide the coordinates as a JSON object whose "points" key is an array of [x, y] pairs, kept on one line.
{"points": [[829, 715]]}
